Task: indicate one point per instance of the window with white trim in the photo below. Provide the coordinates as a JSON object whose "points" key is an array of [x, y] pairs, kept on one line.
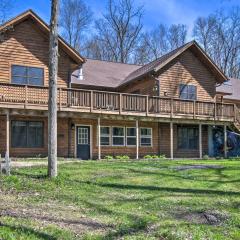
{"points": [[131, 136], [105, 136], [146, 137], [118, 136]]}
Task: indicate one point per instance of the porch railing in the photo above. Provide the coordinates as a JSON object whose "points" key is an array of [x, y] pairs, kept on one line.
{"points": [[116, 103]]}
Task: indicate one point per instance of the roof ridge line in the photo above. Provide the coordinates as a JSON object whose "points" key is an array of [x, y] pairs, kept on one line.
{"points": [[131, 64]]}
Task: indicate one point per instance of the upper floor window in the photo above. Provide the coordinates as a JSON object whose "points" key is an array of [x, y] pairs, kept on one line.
{"points": [[27, 75], [188, 92]]}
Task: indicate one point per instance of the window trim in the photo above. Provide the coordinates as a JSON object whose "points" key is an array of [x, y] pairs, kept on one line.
{"points": [[188, 85], [28, 66], [197, 138], [127, 145], [109, 136], [151, 137], [27, 130], [124, 135]]}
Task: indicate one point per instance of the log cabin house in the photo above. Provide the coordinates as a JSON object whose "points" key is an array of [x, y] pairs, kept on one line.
{"points": [[169, 106]]}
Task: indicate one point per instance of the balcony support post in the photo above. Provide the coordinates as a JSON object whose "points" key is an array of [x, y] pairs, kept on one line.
{"points": [[7, 132], [171, 140], [225, 141], [200, 141], [99, 138], [137, 139], [147, 105]]}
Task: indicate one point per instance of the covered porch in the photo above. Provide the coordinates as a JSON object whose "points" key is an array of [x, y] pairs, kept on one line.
{"points": [[103, 135]]}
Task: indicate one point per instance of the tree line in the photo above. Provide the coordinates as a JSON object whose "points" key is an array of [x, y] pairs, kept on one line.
{"points": [[119, 34]]}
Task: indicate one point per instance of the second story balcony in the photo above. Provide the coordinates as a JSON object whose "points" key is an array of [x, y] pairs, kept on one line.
{"points": [[100, 102]]}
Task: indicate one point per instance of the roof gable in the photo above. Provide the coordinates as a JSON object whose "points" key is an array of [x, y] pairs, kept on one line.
{"points": [[155, 66], [29, 14]]}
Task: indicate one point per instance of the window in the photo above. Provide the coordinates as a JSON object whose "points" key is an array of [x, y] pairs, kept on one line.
{"points": [[146, 137], [188, 138], [27, 134], [131, 136], [27, 75], [118, 136], [105, 136], [188, 92], [83, 136]]}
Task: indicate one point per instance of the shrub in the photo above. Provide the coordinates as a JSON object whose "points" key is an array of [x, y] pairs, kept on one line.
{"points": [[205, 157], [162, 156], [108, 157], [147, 157], [154, 157], [122, 157]]}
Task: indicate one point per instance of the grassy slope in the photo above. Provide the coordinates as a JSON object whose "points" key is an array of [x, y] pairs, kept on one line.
{"points": [[132, 200]]}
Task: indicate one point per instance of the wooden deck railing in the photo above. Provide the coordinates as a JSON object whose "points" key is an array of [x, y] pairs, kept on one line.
{"points": [[116, 103]]}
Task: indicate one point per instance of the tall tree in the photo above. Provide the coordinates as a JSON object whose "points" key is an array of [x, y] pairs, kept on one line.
{"points": [[52, 102], [118, 32], [177, 35], [159, 41], [75, 17], [5, 8], [219, 34]]}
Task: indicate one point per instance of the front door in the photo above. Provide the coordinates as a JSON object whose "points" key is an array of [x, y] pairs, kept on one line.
{"points": [[83, 142]]}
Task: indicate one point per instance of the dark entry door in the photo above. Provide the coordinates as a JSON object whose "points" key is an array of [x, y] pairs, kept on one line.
{"points": [[83, 142]]}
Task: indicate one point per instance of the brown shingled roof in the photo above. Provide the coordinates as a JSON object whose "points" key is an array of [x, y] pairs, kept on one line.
{"points": [[103, 73], [231, 89], [111, 74]]}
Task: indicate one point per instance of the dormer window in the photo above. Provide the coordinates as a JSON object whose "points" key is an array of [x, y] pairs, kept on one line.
{"points": [[26, 75], [188, 92]]}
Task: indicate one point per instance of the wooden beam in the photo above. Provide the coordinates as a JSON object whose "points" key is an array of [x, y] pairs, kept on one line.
{"points": [[137, 139], [99, 138], [7, 133], [200, 141], [225, 141], [171, 140]]}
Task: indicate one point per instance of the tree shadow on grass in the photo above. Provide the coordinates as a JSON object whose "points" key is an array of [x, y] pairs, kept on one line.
{"points": [[192, 178], [137, 224], [162, 189], [27, 231]]}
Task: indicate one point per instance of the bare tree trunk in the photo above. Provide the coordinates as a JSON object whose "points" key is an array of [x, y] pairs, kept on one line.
{"points": [[52, 102]]}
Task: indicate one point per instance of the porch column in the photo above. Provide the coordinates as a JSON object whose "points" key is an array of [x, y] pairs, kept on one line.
{"points": [[137, 139], [171, 140], [200, 141], [7, 133], [225, 141], [99, 138]]}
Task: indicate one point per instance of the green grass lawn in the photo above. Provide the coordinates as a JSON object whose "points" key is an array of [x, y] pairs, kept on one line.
{"points": [[123, 200]]}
